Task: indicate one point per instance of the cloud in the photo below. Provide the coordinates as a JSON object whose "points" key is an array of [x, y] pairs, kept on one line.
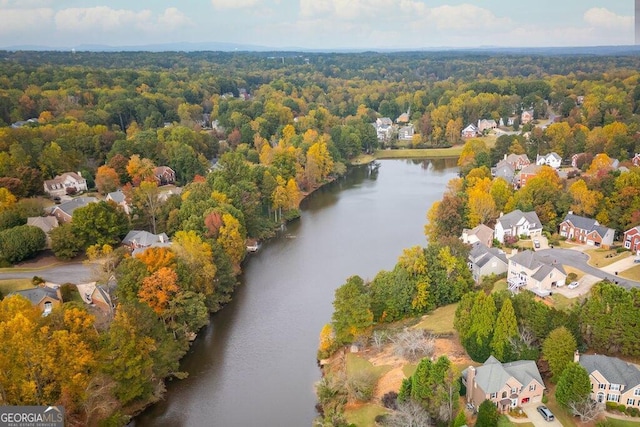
{"points": [[172, 18], [233, 4], [17, 20], [601, 17], [106, 19], [25, 4], [466, 17]]}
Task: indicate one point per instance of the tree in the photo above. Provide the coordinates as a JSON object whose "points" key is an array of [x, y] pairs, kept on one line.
{"points": [[487, 414], [100, 223], [65, 243], [574, 385], [232, 239], [107, 179], [558, 350], [21, 242], [159, 289], [140, 169], [7, 199], [199, 270], [506, 329], [352, 317], [145, 200]]}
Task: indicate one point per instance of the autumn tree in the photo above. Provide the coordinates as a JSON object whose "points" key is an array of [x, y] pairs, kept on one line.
{"points": [[232, 239], [157, 257], [107, 180], [158, 289], [140, 169], [199, 271], [558, 349], [585, 201]]}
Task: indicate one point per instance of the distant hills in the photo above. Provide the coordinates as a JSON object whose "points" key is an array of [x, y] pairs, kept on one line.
{"points": [[230, 47]]}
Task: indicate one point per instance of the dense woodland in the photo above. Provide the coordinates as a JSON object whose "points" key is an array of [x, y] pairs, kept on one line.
{"points": [[248, 135]]}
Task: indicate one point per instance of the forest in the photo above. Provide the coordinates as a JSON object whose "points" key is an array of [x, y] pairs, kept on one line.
{"points": [[248, 136]]}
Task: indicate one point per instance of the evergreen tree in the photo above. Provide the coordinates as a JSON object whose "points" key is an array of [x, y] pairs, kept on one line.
{"points": [[558, 350], [487, 415], [574, 385], [352, 317], [506, 329]]}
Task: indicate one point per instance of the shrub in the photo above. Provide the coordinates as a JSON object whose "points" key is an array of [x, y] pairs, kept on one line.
{"points": [[611, 406], [545, 399], [360, 385], [634, 412], [390, 400], [622, 407], [620, 249]]}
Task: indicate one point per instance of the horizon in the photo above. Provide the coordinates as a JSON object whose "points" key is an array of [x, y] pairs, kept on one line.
{"points": [[315, 25]]}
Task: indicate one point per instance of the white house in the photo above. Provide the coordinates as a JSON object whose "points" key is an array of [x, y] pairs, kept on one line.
{"points": [[67, 183], [517, 223], [551, 159]]}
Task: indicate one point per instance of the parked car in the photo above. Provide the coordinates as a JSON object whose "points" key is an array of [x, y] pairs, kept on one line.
{"points": [[536, 244], [546, 413], [636, 260], [573, 285]]}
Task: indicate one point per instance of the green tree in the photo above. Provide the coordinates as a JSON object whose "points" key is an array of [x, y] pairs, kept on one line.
{"points": [[22, 242], [65, 243], [573, 386], [352, 317], [506, 329], [558, 350], [100, 223], [488, 415]]}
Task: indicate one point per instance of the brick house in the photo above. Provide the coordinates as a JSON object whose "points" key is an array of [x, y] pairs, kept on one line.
{"points": [[507, 385], [526, 174], [632, 239], [64, 211], [586, 231], [612, 379], [46, 298], [164, 175]]}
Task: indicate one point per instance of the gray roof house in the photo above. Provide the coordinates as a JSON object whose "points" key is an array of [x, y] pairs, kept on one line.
{"points": [[531, 271], [504, 170], [612, 379], [44, 223], [484, 261], [506, 384], [139, 240], [64, 211], [118, 198], [552, 159], [517, 223], [586, 230], [45, 297], [480, 233]]}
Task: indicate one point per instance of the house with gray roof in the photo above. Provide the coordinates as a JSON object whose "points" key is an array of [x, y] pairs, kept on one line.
{"points": [[586, 231], [504, 170], [517, 223], [46, 298], [119, 199], [534, 272], [67, 183], [44, 223], [612, 379], [480, 233], [552, 159], [140, 240], [64, 211], [485, 261], [506, 384]]}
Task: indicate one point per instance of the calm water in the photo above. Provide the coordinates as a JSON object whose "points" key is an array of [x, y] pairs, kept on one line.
{"points": [[255, 365]]}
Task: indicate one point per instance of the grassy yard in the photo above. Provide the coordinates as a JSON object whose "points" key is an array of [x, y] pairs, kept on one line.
{"points": [[356, 363], [500, 285], [614, 422], [364, 415], [12, 285], [603, 257], [560, 302], [561, 415], [633, 273], [419, 153], [505, 422], [440, 321]]}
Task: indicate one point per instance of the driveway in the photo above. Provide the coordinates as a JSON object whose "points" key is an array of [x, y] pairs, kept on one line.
{"points": [[76, 272], [535, 417], [579, 260]]}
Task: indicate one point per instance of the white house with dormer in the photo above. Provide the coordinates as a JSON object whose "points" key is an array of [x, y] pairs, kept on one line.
{"points": [[517, 223], [551, 159]]}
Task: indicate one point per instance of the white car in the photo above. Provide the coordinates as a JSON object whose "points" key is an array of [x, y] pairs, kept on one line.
{"points": [[573, 285]]}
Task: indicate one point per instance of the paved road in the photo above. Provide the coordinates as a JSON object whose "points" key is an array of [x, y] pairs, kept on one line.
{"points": [[579, 260], [65, 273]]}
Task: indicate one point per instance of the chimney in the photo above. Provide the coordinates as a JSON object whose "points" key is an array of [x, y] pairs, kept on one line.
{"points": [[471, 378], [505, 156], [576, 356]]}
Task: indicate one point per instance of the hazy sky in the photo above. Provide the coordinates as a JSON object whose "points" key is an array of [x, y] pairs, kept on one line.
{"points": [[324, 24]]}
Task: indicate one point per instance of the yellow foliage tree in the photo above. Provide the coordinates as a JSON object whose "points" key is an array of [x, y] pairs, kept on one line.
{"points": [[585, 201], [158, 289], [157, 258], [6, 199], [327, 340], [232, 239]]}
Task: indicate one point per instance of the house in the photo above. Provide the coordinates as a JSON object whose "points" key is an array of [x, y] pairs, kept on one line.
{"points": [[525, 174], [517, 161], [96, 295], [534, 272], [470, 131], [506, 384], [404, 117], [486, 124], [44, 223], [612, 379], [632, 239], [67, 183], [485, 261], [384, 128], [481, 233], [170, 190], [636, 160], [526, 117], [552, 159], [46, 298], [405, 133], [579, 159], [517, 223], [119, 199], [504, 170], [586, 230], [164, 175], [64, 211], [140, 239]]}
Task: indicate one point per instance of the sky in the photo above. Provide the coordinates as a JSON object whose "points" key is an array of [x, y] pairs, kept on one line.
{"points": [[318, 24]]}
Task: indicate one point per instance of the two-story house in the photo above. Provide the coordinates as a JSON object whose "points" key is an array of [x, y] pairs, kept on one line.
{"points": [[140, 240], [384, 128], [632, 239], [164, 175], [586, 230], [65, 184], [506, 384], [405, 133], [636, 160], [612, 379], [538, 274], [64, 211], [518, 161], [525, 174], [480, 233], [485, 261], [517, 223], [486, 124], [504, 170], [46, 298], [119, 199], [526, 117], [471, 131], [552, 159]]}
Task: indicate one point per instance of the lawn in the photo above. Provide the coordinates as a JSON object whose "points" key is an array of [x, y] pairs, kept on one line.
{"points": [[364, 415], [603, 257], [633, 273], [356, 363], [419, 153], [560, 302], [440, 321], [500, 285], [11, 285], [505, 422], [614, 422], [561, 415]]}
